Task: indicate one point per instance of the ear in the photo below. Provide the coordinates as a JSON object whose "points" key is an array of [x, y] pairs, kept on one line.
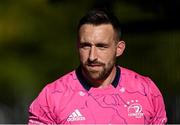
{"points": [[120, 48]]}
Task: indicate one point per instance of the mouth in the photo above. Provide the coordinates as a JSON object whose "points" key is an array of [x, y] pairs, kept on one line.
{"points": [[94, 65]]}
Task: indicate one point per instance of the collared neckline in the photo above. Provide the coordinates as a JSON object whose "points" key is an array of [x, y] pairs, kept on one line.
{"points": [[86, 84]]}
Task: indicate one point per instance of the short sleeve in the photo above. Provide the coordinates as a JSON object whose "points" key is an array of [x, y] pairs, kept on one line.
{"points": [[159, 116], [40, 111]]}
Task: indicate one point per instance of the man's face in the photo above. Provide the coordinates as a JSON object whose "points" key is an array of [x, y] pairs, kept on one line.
{"points": [[97, 50]]}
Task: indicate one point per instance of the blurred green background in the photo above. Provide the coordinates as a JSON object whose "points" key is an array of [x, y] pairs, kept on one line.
{"points": [[37, 46]]}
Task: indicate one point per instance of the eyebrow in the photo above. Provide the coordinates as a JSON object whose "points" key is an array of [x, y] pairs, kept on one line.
{"points": [[99, 44], [84, 43]]}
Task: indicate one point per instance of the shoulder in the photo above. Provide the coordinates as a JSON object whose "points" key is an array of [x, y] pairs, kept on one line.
{"points": [[61, 84], [132, 76], [134, 81], [51, 97], [57, 90]]}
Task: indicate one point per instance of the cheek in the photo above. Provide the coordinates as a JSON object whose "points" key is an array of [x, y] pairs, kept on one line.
{"points": [[83, 56], [110, 58], [109, 55]]}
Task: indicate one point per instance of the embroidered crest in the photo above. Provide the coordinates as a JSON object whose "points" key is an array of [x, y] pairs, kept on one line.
{"points": [[134, 109]]}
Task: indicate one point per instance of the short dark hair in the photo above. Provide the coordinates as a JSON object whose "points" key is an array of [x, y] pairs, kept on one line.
{"points": [[101, 16]]}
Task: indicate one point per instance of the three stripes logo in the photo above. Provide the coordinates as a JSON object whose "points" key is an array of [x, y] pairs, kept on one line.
{"points": [[76, 116]]}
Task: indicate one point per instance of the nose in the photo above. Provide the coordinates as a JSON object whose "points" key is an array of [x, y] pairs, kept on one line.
{"points": [[92, 54]]}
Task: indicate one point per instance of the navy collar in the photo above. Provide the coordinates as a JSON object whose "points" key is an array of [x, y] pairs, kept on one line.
{"points": [[86, 84]]}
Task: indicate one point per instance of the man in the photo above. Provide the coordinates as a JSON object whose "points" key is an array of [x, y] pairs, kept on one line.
{"points": [[99, 91]]}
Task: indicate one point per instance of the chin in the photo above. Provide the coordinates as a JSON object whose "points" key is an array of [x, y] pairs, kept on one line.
{"points": [[95, 77]]}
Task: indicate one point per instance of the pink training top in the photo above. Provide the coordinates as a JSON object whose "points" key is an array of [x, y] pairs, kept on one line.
{"points": [[130, 99]]}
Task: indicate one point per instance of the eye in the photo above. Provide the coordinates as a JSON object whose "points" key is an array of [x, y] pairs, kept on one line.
{"points": [[84, 45], [102, 46]]}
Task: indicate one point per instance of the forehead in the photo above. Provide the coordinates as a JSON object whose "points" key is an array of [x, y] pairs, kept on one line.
{"points": [[96, 28], [94, 32]]}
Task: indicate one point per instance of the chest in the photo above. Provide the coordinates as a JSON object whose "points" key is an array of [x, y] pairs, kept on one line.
{"points": [[104, 108]]}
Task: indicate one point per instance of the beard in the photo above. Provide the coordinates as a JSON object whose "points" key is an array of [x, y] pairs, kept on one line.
{"points": [[101, 72]]}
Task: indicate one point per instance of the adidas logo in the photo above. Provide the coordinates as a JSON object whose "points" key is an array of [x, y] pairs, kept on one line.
{"points": [[76, 116]]}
